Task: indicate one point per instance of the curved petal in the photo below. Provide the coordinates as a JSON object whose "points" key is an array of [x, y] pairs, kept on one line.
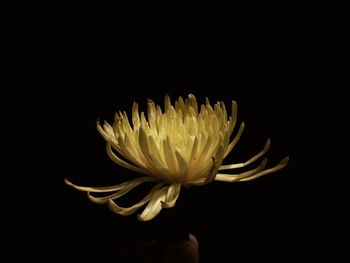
{"points": [[120, 162], [129, 210], [127, 186], [236, 177], [234, 114], [274, 169], [172, 195], [101, 131], [254, 158], [217, 160], [235, 140], [154, 205], [106, 189]]}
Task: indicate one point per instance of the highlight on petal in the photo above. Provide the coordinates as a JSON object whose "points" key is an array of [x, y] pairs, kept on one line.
{"points": [[254, 158], [183, 144], [236, 177], [154, 205], [274, 169], [172, 195], [129, 210]]}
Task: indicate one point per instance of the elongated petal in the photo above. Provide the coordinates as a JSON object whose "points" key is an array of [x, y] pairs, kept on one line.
{"points": [[120, 162], [154, 205], [234, 113], [135, 116], [274, 169], [235, 140], [217, 162], [167, 103], [127, 187], [169, 154], [106, 189], [157, 167], [193, 103], [129, 210], [101, 131], [172, 195], [236, 177], [254, 158]]}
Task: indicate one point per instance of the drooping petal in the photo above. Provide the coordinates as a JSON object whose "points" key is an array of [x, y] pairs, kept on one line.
{"points": [[254, 158], [274, 169], [236, 177], [154, 205], [106, 189], [127, 187], [172, 195], [129, 210], [120, 162]]}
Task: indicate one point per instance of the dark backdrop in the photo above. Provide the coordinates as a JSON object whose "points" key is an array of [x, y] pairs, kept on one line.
{"points": [[89, 73]]}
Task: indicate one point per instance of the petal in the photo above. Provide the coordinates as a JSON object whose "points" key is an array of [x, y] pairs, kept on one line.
{"points": [[154, 205], [237, 177], [193, 103], [167, 103], [107, 188], [129, 210], [151, 113], [234, 113], [135, 116], [101, 131], [120, 162], [182, 166], [172, 195], [127, 187], [235, 140], [254, 158], [169, 155], [157, 167], [128, 150], [274, 169]]}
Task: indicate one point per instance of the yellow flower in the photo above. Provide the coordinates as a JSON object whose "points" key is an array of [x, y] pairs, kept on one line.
{"points": [[182, 146]]}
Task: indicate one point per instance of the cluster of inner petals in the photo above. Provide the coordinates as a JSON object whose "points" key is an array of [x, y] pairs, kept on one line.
{"points": [[182, 145]]}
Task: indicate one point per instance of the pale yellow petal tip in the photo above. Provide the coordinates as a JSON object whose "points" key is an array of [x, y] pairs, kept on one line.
{"points": [[285, 161], [140, 218], [98, 122], [234, 106], [66, 181]]}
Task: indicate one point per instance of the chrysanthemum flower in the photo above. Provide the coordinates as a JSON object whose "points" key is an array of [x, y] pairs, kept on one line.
{"points": [[182, 146]]}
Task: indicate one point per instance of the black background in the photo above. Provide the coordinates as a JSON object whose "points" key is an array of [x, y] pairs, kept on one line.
{"points": [[84, 71]]}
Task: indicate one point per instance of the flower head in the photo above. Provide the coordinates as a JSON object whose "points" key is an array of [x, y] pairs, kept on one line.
{"points": [[182, 146]]}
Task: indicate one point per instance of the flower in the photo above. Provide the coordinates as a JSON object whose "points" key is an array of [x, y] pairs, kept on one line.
{"points": [[182, 146]]}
